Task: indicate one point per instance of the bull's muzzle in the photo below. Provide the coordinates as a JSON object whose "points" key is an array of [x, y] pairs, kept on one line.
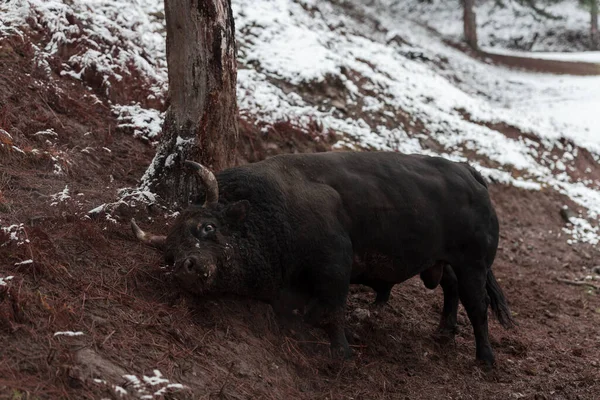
{"points": [[194, 274]]}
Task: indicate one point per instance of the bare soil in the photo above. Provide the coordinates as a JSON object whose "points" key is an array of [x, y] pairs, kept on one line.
{"points": [[91, 275]]}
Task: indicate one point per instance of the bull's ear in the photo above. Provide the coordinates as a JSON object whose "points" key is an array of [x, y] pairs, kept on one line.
{"points": [[237, 212]]}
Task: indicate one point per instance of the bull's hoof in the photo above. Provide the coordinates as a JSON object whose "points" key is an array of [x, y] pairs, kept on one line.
{"points": [[381, 299], [444, 335], [486, 365], [341, 353], [377, 305], [486, 359]]}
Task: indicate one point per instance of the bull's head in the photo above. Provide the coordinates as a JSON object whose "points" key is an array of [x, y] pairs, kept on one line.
{"points": [[200, 242]]}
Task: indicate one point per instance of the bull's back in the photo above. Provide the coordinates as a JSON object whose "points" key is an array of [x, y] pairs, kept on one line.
{"points": [[413, 209]]}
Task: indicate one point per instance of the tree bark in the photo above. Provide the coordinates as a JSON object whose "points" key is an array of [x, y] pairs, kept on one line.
{"points": [[201, 121], [595, 39], [470, 23]]}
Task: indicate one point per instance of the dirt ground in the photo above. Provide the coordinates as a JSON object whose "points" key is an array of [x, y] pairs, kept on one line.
{"points": [[90, 275]]}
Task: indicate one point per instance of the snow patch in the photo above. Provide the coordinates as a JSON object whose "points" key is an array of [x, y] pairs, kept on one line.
{"points": [[15, 233], [97, 210], [146, 387], [47, 132], [4, 281], [60, 197], [587, 56], [581, 231], [68, 333], [146, 123]]}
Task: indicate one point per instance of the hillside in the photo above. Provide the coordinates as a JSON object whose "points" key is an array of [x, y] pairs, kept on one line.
{"points": [[547, 26], [87, 312]]}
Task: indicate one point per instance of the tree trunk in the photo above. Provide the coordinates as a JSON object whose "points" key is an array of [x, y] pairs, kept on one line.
{"points": [[595, 39], [470, 23], [201, 121]]}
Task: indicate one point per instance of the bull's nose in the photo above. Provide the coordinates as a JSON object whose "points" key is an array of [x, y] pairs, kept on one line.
{"points": [[188, 265], [194, 268]]}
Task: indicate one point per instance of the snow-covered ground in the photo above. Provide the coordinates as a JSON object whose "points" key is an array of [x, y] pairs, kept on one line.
{"points": [[509, 24], [576, 56], [391, 74]]}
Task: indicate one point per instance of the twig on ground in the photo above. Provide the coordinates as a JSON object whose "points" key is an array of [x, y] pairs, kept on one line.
{"points": [[221, 392], [52, 111], [578, 283], [107, 337]]}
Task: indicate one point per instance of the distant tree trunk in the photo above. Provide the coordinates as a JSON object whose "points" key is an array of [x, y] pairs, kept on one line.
{"points": [[201, 121], [595, 39], [470, 23]]}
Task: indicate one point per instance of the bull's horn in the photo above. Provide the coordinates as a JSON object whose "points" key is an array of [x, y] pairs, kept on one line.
{"points": [[148, 238], [209, 181]]}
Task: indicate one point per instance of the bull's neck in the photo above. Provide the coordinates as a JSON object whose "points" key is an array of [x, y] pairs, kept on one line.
{"points": [[258, 248], [251, 269]]}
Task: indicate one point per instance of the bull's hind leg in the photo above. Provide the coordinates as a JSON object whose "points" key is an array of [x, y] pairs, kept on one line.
{"points": [[448, 327], [382, 288], [432, 276], [474, 297]]}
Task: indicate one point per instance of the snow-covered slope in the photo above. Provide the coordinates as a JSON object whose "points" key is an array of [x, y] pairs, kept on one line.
{"points": [[561, 26], [363, 71]]}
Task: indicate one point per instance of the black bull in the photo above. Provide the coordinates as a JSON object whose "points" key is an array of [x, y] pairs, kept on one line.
{"points": [[307, 226]]}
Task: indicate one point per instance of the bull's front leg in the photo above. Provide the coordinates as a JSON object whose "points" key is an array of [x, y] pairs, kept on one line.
{"points": [[287, 301], [329, 288], [330, 317]]}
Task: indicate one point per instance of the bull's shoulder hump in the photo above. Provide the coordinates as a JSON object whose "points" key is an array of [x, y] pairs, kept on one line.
{"points": [[296, 166]]}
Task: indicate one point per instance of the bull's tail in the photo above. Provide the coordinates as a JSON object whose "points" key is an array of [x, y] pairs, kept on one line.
{"points": [[498, 301]]}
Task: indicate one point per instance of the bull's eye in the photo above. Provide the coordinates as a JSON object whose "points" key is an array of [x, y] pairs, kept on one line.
{"points": [[204, 231], [208, 228]]}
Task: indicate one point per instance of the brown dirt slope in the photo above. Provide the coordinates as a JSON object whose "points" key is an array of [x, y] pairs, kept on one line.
{"points": [[90, 275]]}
